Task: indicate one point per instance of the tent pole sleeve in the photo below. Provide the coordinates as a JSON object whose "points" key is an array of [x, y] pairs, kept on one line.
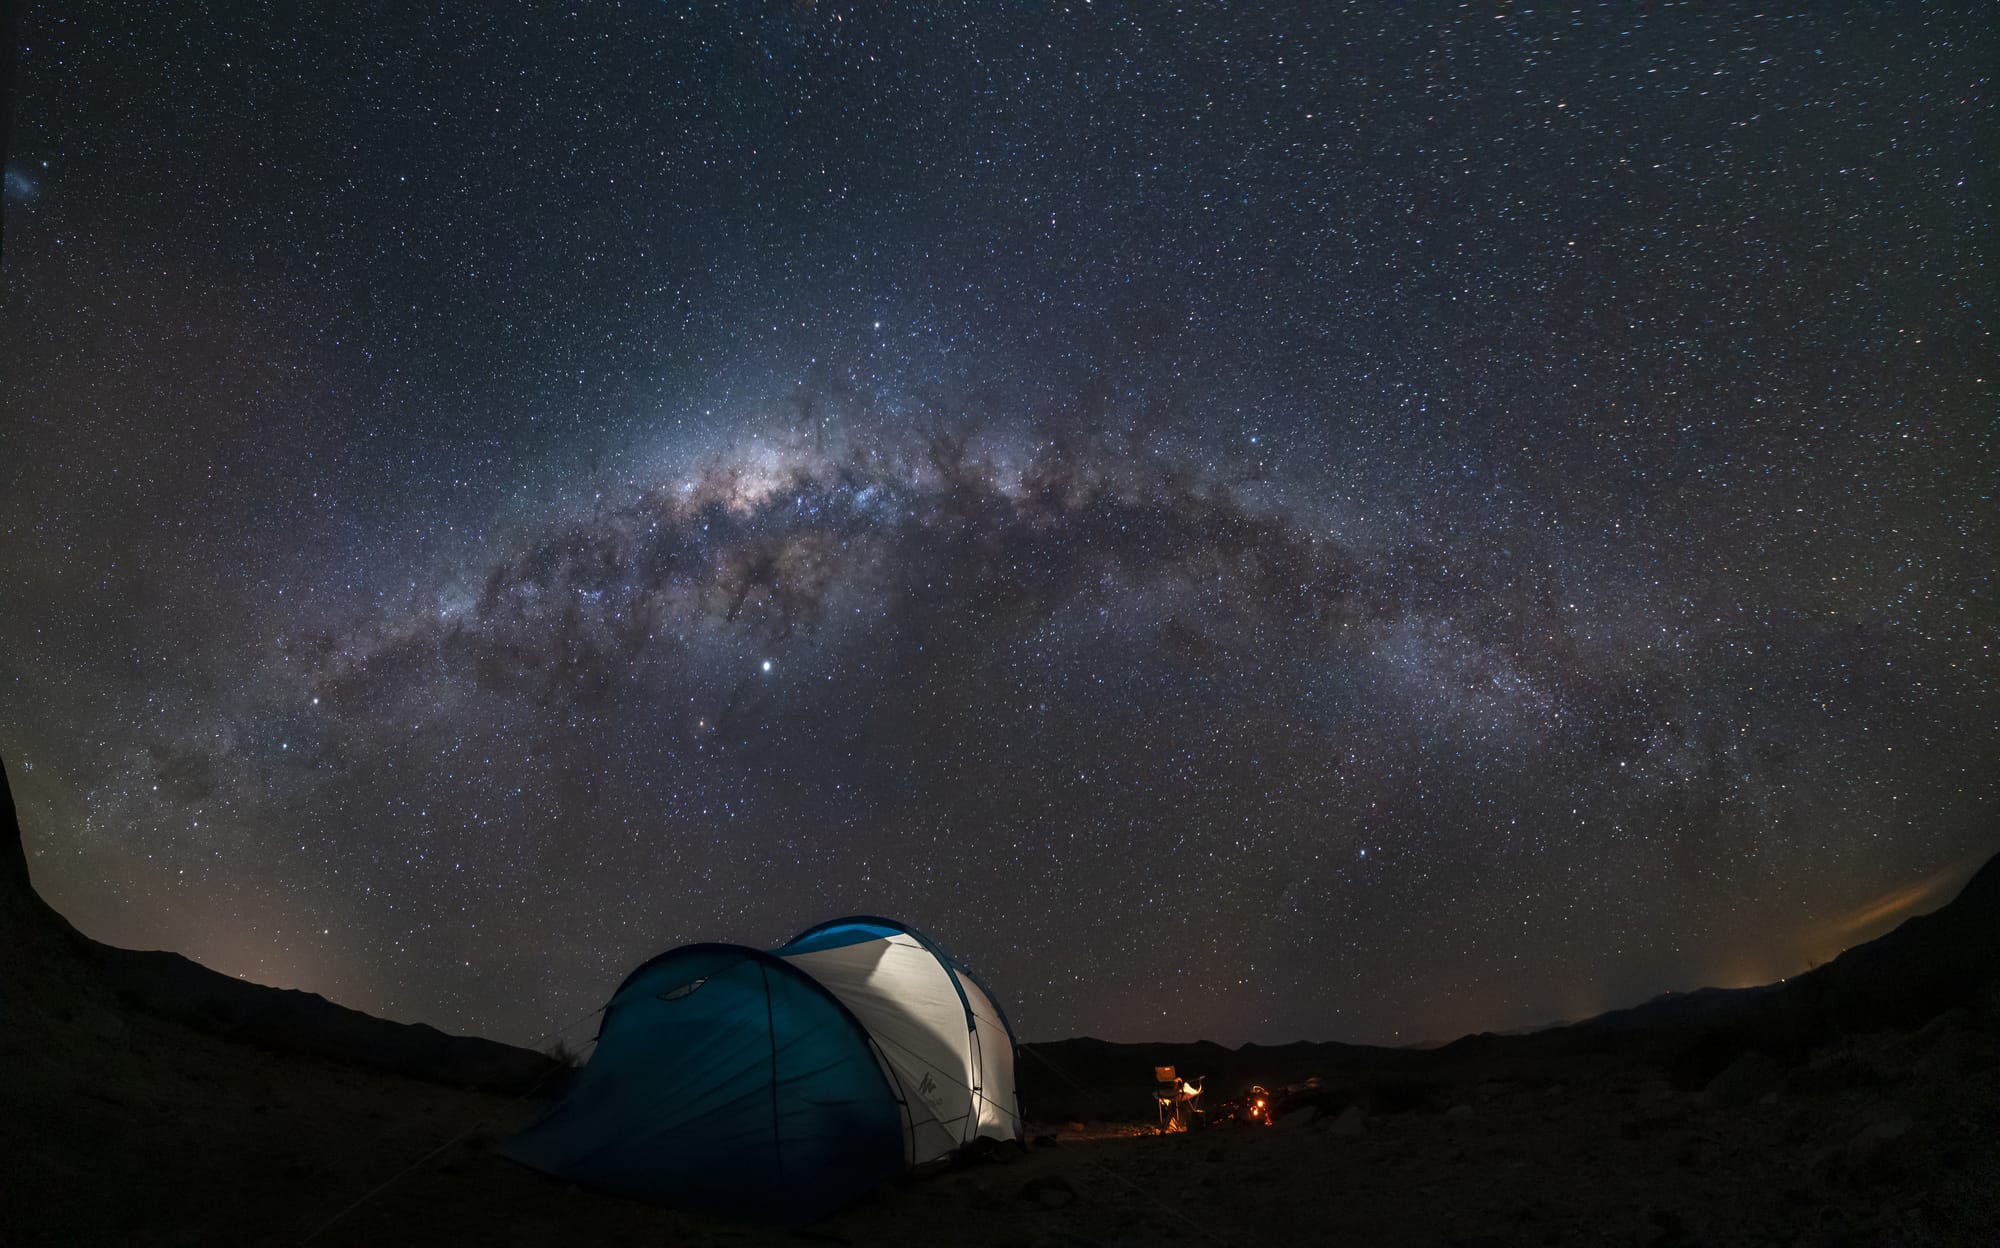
{"points": [[771, 1030]]}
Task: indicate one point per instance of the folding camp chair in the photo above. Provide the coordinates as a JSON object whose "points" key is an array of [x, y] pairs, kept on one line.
{"points": [[1177, 1099]]}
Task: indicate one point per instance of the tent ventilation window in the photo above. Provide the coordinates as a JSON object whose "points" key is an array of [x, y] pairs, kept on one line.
{"points": [[685, 990]]}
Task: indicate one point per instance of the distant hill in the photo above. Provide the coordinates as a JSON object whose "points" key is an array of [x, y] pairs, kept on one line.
{"points": [[1930, 964], [55, 972]]}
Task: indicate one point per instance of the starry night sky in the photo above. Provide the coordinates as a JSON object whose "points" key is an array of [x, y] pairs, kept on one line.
{"points": [[1277, 522]]}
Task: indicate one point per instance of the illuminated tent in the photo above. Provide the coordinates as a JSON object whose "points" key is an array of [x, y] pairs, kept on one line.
{"points": [[783, 1084]]}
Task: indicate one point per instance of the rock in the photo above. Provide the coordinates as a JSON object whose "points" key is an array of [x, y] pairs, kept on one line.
{"points": [[1050, 1191], [1351, 1121], [1057, 1237], [1297, 1118], [1881, 1129], [1959, 1018], [1698, 1153], [1989, 1005], [1653, 1094], [1871, 1153], [1832, 1070], [1747, 1080], [1661, 1228], [1459, 1113], [51, 1164], [1954, 1045], [102, 1025], [986, 1149]]}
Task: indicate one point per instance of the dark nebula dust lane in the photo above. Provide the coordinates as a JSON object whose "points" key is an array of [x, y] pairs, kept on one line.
{"points": [[1254, 525]]}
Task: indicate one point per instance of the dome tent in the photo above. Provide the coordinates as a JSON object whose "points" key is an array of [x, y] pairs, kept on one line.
{"points": [[785, 1083], [942, 1036]]}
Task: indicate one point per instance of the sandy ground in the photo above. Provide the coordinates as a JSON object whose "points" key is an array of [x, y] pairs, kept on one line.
{"points": [[123, 1128]]}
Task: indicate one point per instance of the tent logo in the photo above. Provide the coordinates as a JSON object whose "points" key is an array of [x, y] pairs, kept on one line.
{"points": [[927, 1088]]}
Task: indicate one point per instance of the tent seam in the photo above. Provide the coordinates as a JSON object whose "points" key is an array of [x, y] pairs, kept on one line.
{"points": [[771, 1031]]}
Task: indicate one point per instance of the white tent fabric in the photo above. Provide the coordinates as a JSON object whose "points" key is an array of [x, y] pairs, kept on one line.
{"points": [[997, 1106], [910, 1004]]}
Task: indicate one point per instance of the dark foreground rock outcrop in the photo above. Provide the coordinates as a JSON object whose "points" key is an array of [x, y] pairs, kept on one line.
{"points": [[58, 975]]}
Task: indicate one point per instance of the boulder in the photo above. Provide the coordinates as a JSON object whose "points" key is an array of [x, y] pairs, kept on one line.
{"points": [[1351, 1121], [102, 1024], [1050, 1191], [1952, 1045], [1952, 1020], [1873, 1152], [1989, 1005], [1653, 1094], [1748, 1079]]}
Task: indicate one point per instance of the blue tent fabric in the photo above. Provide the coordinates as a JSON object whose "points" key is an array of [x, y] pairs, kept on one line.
{"points": [[725, 1080], [839, 932]]}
